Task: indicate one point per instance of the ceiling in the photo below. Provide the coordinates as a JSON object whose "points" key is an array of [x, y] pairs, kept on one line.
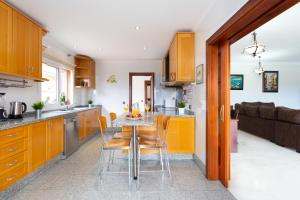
{"points": [[281, 37], [106, 29]]}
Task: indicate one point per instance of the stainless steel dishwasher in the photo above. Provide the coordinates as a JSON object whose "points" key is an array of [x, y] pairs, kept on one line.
{"points": [[71, 140]]}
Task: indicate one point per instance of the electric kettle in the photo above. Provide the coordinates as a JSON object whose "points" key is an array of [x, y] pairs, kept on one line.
{"points": [[17, 109]]}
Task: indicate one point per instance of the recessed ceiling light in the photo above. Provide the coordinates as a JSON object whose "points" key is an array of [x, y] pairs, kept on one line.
{"points": [[100, 49], [145, 48], [137, 28]]}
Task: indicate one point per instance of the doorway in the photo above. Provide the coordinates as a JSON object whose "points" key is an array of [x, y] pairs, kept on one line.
{"points": [[251, 16], [141, 90]]}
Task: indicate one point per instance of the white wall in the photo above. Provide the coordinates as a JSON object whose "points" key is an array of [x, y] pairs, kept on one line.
{"points": [[111, 96], [215, 17], [289, 83]]}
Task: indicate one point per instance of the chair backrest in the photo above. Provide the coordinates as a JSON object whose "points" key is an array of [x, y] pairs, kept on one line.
{"points": [[101, 128], [160, 128], [126, 129], [112, 116], [103, 122]]}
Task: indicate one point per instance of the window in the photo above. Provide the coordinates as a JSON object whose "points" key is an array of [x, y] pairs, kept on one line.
{"points": [[59, 84], [50, 88]]}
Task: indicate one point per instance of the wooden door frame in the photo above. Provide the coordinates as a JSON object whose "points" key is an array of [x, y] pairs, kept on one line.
{"points": [[131, 74], [251, 16], [146, 83]]}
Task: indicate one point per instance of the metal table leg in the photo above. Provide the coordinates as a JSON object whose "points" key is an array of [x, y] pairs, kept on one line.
{"points": [[135, 153]]}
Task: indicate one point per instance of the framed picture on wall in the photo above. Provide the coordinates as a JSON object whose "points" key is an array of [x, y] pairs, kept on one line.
{"points": [[199, 74], [270, 81], [236, 81]]}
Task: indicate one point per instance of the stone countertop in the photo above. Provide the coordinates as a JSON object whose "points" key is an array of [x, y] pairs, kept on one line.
{"points": [[30, 118], [148, 119], [173, 112]]}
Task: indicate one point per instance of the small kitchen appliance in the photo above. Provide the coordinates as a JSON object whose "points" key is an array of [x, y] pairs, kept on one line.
{"points": [[3, 113], [16, 110]]}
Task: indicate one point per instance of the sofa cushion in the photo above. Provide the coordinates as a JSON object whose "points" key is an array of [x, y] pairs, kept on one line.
{"points": [[251, 103], [267, 112], [251, 110], [258, 103], [240, 108], [288, 115], [271, 104]]}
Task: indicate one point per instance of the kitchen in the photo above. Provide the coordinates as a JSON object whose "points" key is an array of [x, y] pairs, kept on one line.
{"points": [[51, 98]]}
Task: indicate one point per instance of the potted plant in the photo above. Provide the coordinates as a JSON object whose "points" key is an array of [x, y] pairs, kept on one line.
{"points": [[181, 106], [62, 100], [90, 102], [38, 106]]}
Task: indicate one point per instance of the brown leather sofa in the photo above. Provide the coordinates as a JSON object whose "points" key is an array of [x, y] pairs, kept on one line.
{"points": [[280, 125]]}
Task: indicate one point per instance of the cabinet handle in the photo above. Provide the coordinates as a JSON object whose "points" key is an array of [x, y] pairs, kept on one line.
{"points": [[11, 135], [12, 163], [13, 149], [11, 178]]}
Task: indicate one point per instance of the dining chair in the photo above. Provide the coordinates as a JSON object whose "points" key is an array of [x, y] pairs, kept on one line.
{"points": [[157, 143], [111, 146], [103, 122], [112, 117]]}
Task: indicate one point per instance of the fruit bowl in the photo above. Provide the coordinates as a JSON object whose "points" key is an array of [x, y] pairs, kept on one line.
{"points": [[134, 117]]}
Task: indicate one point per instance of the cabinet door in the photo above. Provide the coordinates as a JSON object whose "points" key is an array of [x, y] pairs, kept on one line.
{"points": [[163, 71], [5, 36], [89, 122], [186, 57], [37, 145], [81, 125], [20, 48], [181, 135], [173, 60], [92, 75], [35, 54], [55, 137]]}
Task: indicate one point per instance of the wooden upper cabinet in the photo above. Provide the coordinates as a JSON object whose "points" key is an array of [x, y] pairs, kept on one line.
{"points": [[27, 47], [21, 41], [36, 34], [85, 72], [20, 44], [185, 57], [5, 36], [173, 60], [181, 59]]}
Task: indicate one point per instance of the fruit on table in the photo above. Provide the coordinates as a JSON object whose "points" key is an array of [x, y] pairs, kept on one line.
{"points": [[134, 115]]}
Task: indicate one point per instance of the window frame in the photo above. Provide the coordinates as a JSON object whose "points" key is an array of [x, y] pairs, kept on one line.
{"points": [[70, 86]]}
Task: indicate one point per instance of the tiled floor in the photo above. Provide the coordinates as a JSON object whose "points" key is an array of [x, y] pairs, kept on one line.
{"points": [[75, 178], [264, 170]]}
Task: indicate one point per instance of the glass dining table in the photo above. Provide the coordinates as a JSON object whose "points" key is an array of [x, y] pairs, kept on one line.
{"points": [[147, 120]]}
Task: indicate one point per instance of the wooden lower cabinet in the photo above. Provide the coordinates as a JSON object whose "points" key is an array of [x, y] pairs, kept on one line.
{"points": [[12, 176], [55, 137], [13, 156], [87, 123], [26, 148], [37, 136], [181, 135], [81, 126]]}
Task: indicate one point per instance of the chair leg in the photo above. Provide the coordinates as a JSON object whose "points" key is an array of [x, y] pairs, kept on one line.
{"points": [[109, 160], [139, 161], [161, 159], [113, 158], [129, 166], [168, 161], [101, 164]]}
